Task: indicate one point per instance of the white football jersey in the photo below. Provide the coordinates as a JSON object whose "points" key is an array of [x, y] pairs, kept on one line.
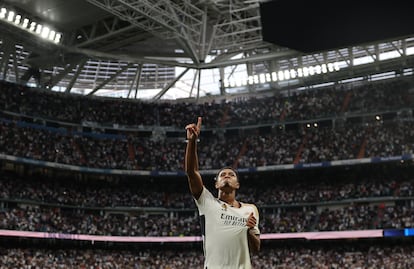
{"points": [[224, 232]]}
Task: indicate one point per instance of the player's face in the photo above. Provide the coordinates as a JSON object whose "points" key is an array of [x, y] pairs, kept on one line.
{"points": [[227, 178]]}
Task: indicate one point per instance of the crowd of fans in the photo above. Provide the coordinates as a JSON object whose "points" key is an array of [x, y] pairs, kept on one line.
{"points": [[283, 106], [372, 199], [252, 148], [352, 216], [294, 128], [375, 256], [264, 190], [309, 145]]}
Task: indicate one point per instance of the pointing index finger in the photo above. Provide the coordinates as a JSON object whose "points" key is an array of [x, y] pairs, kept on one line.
{"points": [[199, 123]]}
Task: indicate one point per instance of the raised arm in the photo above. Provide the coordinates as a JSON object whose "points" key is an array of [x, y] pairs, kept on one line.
{"points": [[195, 181]]}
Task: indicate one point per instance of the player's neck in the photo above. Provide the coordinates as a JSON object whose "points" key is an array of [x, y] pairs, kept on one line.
{"points": [[229, 198]]}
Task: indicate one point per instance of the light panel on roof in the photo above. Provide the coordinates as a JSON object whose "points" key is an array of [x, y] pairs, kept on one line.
{"points": [[29, 25]]}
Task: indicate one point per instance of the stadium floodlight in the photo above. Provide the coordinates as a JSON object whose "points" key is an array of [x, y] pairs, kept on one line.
{"points": [[324, 69], [29, 25], [300, 72], [305, 71], [286, 74], [262, 78], [311, 70], [3, 13], [51, 35], [17, 19], [280, 75], [274, 76], [251, 80], [58, 36], [292, 73], [10, 16], [39, 29], [318, 69], [32, 26], [45, 32], [25, 23]]}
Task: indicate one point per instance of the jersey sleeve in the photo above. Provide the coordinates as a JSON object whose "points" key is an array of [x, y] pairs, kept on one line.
{"points": [[205, 199]]}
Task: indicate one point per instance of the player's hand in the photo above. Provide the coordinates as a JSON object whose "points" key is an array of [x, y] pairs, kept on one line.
{"points": [[251, 221], [193, 130]]}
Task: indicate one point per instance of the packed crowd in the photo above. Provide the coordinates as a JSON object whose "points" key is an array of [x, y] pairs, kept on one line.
{"points": [[355, 200], [357, 216], [375, 256], [284, 106], [264, 190], [244, 150], [369, 202], [69, 144]]}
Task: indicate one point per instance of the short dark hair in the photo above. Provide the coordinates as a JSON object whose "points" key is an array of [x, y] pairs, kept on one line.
{"points": [[227, 167]]}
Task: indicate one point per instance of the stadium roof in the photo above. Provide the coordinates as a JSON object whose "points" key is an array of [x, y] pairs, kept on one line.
{"points": [[161, 46]]}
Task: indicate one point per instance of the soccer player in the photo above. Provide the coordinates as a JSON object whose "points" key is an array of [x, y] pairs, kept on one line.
{"points": [[229, 227]]}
